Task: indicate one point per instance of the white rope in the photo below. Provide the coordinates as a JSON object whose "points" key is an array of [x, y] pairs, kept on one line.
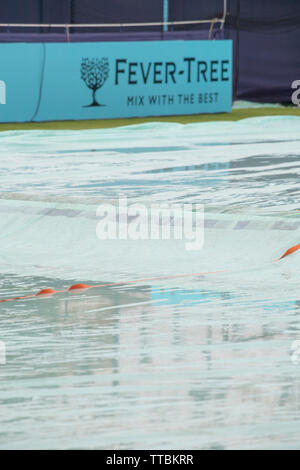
{"points": [[224, 14], [110, 25]]}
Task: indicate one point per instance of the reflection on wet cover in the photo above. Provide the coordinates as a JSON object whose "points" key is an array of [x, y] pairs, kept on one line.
{"points": [[191, 354]]}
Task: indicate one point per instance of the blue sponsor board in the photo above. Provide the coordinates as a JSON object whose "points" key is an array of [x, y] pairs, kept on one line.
{"points": [[112, 80]]}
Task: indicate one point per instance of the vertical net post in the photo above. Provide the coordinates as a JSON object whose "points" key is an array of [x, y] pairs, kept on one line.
{"points": [[165, 14]]}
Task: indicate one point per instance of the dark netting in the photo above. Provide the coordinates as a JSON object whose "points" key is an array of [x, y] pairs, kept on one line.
{"points": [[18, 11], [56, 11], [265, 37], [269, 11], [117, 11], [33, 12], [272, 16], [195, 10]]}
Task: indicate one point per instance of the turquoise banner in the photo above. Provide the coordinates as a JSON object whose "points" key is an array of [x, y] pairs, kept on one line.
{"points": [[73, 81]]}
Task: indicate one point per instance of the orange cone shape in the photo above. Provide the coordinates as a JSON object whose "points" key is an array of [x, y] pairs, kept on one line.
{"points": [[46, 292], [290, 251], [79, 287]]}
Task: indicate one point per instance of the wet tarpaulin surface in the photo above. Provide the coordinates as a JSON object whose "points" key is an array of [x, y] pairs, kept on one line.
{"points": [[206, 361]]}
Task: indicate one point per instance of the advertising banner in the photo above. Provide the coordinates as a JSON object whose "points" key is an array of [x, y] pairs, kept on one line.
{"points": [[46, 82]]}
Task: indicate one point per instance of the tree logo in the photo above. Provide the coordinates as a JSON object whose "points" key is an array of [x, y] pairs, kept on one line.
{"points": [[94, 73]]}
